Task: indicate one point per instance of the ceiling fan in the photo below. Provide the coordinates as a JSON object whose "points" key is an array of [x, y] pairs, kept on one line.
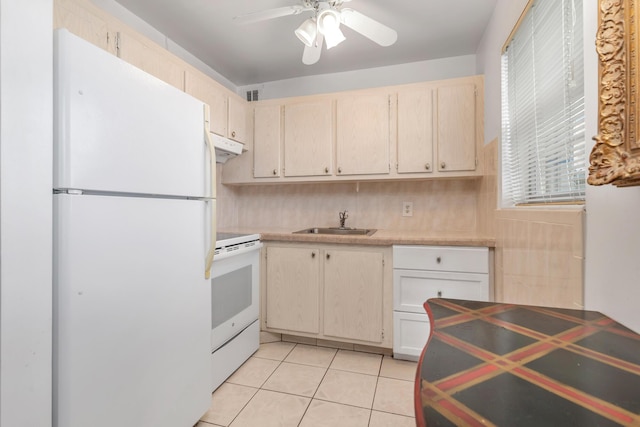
{"points": [[324, 25]]}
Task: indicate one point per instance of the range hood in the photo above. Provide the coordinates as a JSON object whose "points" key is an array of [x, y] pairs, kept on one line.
{"points": [[225, 148]]}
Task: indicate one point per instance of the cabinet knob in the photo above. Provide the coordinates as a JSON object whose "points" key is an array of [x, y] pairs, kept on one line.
{"points": [[439, 294], [326, 170], [427, 166], [438, 260], [275, 172], [339, 170], [233, 133], [313, 254], [328, 256], [443, 165]]}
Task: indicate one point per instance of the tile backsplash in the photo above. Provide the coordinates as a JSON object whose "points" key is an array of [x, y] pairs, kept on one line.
{"points": [[438, 205]]}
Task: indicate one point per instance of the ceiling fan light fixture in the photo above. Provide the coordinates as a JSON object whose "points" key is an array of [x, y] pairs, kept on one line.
{"points": [[328, 20], [307, 32], [334, 37]]}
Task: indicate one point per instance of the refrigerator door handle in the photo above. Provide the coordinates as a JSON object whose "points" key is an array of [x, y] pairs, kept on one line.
{"points": [[212, 171]]}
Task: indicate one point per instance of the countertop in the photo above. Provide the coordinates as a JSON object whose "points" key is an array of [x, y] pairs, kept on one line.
{"points": [[379, 238], [492, 364]]}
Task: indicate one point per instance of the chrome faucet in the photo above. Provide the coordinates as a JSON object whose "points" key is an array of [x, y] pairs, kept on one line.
{"points": [[343, 217]]}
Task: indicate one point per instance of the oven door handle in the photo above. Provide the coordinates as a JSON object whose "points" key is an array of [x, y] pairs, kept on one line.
{"points": [[212, 175]]}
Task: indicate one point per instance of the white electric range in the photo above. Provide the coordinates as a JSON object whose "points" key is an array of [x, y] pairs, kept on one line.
{"points": [[235, 302]]}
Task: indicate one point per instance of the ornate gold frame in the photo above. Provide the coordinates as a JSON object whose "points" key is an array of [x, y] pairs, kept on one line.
{"points": [[615, 158]]}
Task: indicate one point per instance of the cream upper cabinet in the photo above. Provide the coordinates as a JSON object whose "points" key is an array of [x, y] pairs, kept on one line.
{"points": [[93, 24], [308, 138], [425, 130], [238, 116], [148, 56], [293, 292], [456, 128], [266, 141], [362, 134], [229, 113], [209, 92], [85, 20], [353, 295], [415, 131]]}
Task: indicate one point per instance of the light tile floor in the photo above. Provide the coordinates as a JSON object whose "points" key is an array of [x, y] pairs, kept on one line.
{"points": [[287, 384]]}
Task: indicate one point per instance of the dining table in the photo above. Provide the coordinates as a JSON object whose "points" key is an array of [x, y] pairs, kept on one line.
{"points": [[499, 364]]}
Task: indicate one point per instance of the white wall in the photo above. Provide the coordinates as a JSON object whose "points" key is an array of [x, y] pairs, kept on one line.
{"points": [[612, 273], [504, 18], [25, 212], [612, 228], [414, 72]]}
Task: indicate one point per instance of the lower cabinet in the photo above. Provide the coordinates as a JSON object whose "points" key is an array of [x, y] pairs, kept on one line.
{"points": [[353, 293], [293, 289], [423, 272], [332, 292]]}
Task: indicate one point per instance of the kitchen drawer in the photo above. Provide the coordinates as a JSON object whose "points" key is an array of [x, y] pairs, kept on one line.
{"points": [[441, 258], [411, 288], [410, 334]]}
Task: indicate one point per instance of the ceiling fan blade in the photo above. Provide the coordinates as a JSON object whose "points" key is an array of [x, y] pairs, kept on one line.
{"points": [[250, 18], [368, 27], [311, 54]]}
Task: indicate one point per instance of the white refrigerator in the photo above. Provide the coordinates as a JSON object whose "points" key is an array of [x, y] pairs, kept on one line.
{"points": [[134, 231]]}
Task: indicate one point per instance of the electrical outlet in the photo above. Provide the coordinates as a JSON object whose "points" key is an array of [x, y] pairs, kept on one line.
{"points": [[407, 209]]}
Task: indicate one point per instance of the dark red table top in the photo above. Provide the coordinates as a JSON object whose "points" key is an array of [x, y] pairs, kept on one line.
{"points": [[492, 364]]}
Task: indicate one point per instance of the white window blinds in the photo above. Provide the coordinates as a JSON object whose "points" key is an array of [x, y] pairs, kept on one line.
{"points": [[543, 144]]}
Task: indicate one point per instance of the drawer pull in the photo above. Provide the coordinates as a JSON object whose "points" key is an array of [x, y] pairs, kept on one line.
{"points": [[313, 254], [438, 260], [328, 256], [439, 294]]}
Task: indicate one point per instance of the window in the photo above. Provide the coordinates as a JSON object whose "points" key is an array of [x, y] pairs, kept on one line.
{"points": [[543, 141]]}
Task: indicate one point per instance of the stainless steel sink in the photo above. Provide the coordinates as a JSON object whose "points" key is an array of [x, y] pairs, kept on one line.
{"points": [[338, 231]]}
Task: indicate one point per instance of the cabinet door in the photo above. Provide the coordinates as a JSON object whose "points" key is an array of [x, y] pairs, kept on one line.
{"points": [[293, 289], [457, 128], [415, 131], [362, 132], [83, 19], [353, 294], [150, 57], [238, 112], [207, 91], [266, 141], [410, 334], [308, 129], [411, 288]]}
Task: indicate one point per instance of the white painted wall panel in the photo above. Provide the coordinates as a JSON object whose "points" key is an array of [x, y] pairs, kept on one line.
{"points": [[25, 212]]}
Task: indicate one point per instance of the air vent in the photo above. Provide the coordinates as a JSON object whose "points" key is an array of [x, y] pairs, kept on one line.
{"points": [[252, 95]]}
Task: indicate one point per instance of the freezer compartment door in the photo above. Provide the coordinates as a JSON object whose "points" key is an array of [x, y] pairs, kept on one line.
{"points": [[132, 312], [119, 129]]}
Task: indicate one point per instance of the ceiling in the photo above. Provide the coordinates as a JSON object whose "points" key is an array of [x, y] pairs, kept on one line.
{"points": [[268, 50]]}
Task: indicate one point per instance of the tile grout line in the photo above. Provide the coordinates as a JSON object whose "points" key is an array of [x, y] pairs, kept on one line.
{"points": [[318, 387], [260, 387], [313, 397]]}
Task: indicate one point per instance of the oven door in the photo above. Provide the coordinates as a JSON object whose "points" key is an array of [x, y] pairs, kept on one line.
{"points": [[234, 295]]}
